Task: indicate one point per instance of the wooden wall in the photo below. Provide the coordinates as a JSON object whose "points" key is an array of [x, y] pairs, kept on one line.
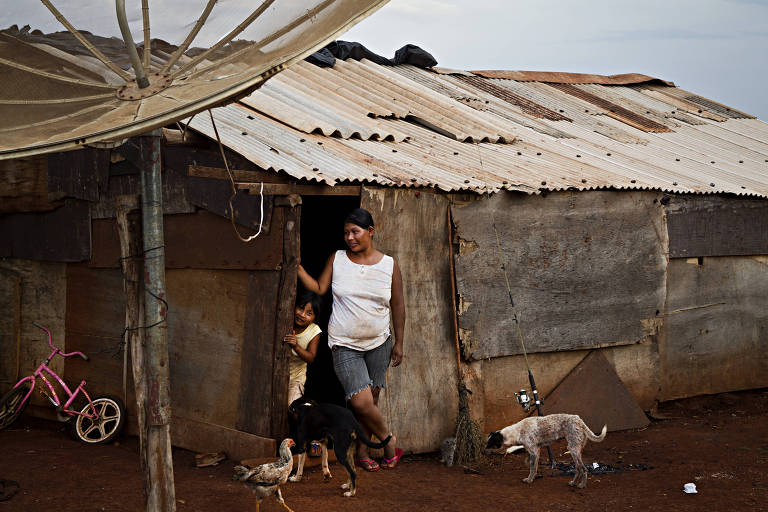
{"points": [[214, 321], [494, 381], [205, 326], [421, 399], [586, 269], [716, 326], [30, 291]]}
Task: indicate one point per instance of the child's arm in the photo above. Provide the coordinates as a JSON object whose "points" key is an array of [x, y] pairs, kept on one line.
{"points": [[308, 354]]}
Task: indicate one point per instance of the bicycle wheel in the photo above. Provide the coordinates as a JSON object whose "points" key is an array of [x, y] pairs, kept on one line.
{"points": [[106, 427], [11, 406]]}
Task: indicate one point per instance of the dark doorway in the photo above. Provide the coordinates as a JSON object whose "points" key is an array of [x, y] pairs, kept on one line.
{"points": [[322, 227]]}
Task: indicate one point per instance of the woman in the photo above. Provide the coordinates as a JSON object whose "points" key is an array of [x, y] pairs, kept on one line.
{"points": [[367, 289]]}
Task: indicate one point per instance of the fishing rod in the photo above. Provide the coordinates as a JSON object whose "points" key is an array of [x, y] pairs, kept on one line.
{"points": [[522, 398]]}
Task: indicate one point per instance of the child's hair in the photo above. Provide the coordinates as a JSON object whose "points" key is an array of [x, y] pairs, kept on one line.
{"points": [[309, 297]]}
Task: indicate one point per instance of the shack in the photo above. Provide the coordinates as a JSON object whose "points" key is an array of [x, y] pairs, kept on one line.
{"points": [[627, 216]]}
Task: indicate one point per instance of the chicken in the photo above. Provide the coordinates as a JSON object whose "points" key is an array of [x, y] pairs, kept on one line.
{"points": [[265, 480]]}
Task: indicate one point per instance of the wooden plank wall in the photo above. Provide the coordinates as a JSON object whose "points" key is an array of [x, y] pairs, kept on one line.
{"points": [[715, 327], [63, 234], [212, 237], [258, 353], [716, 226], [83, 174], [95, 319], [586, 269], [218, 318], [421, 399], [10, 327], [41, 298], [24, 187], [206, 315]]}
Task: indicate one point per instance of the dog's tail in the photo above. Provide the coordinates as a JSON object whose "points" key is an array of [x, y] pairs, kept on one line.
{"points": [[367, 441], [592, 437]]}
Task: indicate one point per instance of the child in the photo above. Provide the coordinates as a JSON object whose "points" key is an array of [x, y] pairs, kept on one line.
{"points": [[303, 339]]}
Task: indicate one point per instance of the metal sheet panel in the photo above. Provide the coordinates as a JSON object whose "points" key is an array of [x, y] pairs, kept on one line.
{"points": [[614, 110], [526, 105], [439, 118], [595, 392], [571, 78], [559, 254], [715, 226]]}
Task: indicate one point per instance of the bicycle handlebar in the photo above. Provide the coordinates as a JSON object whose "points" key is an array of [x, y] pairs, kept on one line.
{"points": [[56, 350], [62, 354], [50, 338]]}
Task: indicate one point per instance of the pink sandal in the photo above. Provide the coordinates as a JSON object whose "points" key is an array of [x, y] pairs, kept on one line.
{"points": [[392, 463], [368, 465]]}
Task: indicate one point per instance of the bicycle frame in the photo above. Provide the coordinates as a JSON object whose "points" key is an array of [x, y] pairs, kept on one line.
{"points": [[41, 372]]}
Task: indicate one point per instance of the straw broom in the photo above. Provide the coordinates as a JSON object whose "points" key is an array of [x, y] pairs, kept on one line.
{"points": [[467, 434]]}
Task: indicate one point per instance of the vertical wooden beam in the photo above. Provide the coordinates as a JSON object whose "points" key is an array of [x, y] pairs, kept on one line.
{"points": [[129, 231], [258, 352], [162, 496], [284, 319]]}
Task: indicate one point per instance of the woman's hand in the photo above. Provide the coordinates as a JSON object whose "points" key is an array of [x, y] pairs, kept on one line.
{"points": [[397, 354], [290, 339]]}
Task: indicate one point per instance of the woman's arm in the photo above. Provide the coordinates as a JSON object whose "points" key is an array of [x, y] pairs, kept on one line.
{"points": [[321, 284], [397, 306]]}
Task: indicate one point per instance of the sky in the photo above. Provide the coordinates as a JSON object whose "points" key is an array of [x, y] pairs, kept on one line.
{"points": [[714, 48]]}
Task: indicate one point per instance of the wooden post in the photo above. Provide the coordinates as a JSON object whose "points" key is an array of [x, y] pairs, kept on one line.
{"points": [[162, 496], [129, 231], [286, 298]]}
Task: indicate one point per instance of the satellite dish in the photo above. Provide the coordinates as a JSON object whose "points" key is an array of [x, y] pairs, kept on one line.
{"points": [[72, 74]]}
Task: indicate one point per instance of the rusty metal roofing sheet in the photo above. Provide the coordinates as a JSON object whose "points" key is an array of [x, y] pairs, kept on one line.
{"points": [[586, 148], [572, 78], [349, 100], [613, 110], [528, 106], [582, 113], [704, 103], [456, 88]]}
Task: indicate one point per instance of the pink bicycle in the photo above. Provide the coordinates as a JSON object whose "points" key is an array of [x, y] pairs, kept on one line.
{"points": [[95, 421]]}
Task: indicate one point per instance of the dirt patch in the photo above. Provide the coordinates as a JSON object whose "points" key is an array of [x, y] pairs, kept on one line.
{"points": [[718, 442]]}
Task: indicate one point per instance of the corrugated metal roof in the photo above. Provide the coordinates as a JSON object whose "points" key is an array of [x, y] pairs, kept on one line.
{"points": [[409, 127], [571, 78]]}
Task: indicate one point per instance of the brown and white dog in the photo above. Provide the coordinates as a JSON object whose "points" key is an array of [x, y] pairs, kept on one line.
{"points": [[534, 432]]}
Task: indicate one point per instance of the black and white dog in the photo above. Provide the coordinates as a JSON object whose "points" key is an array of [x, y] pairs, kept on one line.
{"points": [[321, 422]]}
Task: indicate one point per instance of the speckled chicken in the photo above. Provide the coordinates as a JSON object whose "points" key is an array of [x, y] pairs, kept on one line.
{"points": [[265, 480]]}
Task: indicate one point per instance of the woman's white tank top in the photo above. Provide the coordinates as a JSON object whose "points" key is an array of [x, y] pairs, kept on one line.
{"points": [[361, 294]]}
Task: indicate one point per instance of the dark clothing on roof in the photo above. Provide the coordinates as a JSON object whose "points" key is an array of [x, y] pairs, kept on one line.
{"points": [[408, 54]]}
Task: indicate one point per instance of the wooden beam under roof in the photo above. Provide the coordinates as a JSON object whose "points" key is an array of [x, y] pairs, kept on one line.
{"points": [[285, 189], [248, 180]]}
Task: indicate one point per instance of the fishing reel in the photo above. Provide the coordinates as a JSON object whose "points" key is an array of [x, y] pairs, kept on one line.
{"points": [[524, 400]]}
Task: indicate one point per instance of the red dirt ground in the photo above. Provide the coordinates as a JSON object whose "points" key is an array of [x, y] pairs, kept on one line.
{"points": [[718, 442]]}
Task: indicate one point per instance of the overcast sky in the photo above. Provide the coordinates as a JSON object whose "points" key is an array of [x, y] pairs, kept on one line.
{"points": [[715, 48]]}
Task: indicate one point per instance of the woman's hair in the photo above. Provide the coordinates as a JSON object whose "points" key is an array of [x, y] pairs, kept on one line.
{"points": [[360, 217], [309, 297]]}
